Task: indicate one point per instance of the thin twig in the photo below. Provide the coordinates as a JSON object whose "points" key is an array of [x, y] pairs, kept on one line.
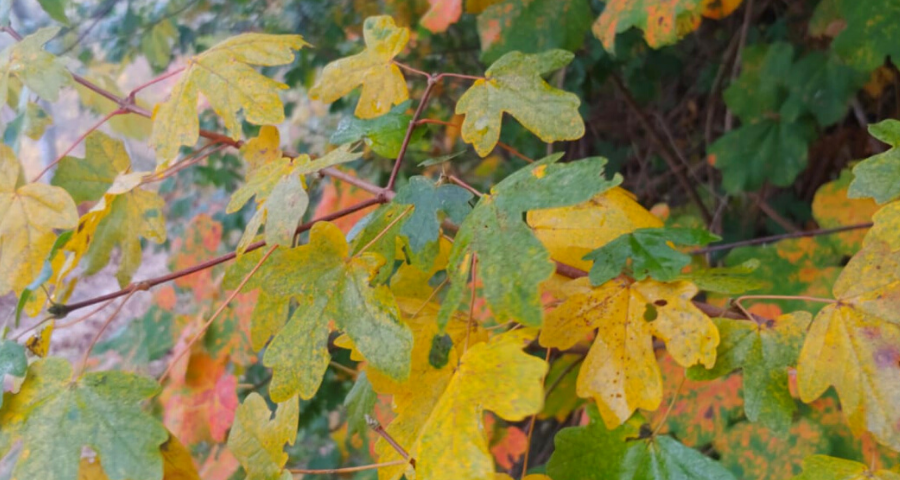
{"points": [[112, 316], [515, 152], [381, 432], [671, 405], [412, 69], [154, 81], [78, 141], [327, 471], [783, 236], [531, 424], [471, 303], [736, 67], [458, 181], [222, 307], [432, 81], [349, 371], [385, 230]]}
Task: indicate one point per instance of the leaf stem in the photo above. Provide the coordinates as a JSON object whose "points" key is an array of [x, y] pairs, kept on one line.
{"points": [[112, 316], [326, 471], [533, 419], [737, 301], [234, 293], [384, 230], [77, 141], [154, 81], [378, 429], [184, 164], [665, 417], [458, 181], [471, 303]]}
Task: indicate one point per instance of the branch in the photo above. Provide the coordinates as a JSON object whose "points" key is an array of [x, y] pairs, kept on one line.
{"points": [[783, 236], [432, 81], [63, 310], [661, 148], [77, 141]]}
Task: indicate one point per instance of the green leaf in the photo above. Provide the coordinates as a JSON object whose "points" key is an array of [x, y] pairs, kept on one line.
{"points": [[42, 72], [423, 225], [728, 280], [513, 85], [257, 439], [649, 251], [56, 417], [56, 9], [662, 23], [383, 227], [359, 403], [383, 134], [36, 121], [143, 340], [823, 467], [762, 87], [511, 261], [532, 26], [328, 286], [224, 75], [12, 362], [764, 352], [156, 44], [823, 87], [770, 150], [872, 33], [879, 175], [88, 178], [592, 452]]}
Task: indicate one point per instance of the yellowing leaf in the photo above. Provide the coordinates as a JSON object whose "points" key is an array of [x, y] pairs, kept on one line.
{"points": [[854, 344], [39, 70], [513, 85], [663, 21], [621, 372], [822, 467], [452, 443], [39, 343], [383, 84], [29, 214], [224, 76], [570, 233], [832, 208], [257, 440]]}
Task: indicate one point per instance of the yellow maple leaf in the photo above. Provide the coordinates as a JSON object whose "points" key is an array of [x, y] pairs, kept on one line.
{"points": [[30, 213], [570, 233], [620, 371], [383, 84], [854, 344], [224, 75]]}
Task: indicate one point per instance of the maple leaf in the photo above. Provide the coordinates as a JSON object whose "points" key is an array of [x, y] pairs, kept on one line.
{"points": [[201, 405], [511, 261], [383, 84], [43, 73], [877, 176], [870, 34], [729, 280], [277, 184], [570, 233], [142, 340], [450, 443], [592, 452], [513, 85], [12, 362], [532, 26], [384, 134], [30, 213], [562, 400], [860, 332], [823, 467], [764, 352], [751, 450], [56, 416], [832, 207], [663, 22], [441, 15], [177, 463], [88, 178], [36, 121], [224, 75], [649, 251], [620, 371], [329, 286], [359, 402], [257, 439], [431, 201]]}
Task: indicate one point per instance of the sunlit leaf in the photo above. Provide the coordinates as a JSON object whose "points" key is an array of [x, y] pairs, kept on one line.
{"points": [[258, 440]]}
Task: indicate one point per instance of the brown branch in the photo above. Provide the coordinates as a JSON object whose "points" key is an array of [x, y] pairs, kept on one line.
{"points": [[432, 81], [783, 236], [78, 141], [377, 428], [661, 148], [63, 310]]}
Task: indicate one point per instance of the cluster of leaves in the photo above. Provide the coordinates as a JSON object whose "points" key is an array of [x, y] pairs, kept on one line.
{"points": [[424, 327]]}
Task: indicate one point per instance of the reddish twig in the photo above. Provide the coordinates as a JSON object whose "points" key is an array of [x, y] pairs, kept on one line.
{"points": [[78, 141], [458, 181], [378, 429], [184, 164], [154, 81], [432, 81], [112, 316], [783, 236]]}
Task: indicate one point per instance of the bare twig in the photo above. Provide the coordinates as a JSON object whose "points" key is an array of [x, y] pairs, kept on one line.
{"points": [[78, 141], [784, 236], [432, 81]]}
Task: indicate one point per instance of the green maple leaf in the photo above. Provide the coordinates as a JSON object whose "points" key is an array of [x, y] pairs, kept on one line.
{"points": [[879, 175], [823, 86], [88, 178], [872, 33], [328, 285], [257, 439], [823, 467], [12, 361], [513, 85], [55, 417], [592, 452], [764, 352], [532, 26], [379, 233], [663, 23], [383, 134], [729, 280], [224, 75], [359, 402], [649, 251], [143, 340], [56, 9], [39, 70], [423, 225], [511, 261]]}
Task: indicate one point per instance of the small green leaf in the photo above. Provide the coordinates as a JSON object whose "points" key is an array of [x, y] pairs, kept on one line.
{"points": [[142, 340], [423, 225], [88, 178], [879, 175], [359, 403], [42, 72], [56, 9], [383, 134], [871, 33]]}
